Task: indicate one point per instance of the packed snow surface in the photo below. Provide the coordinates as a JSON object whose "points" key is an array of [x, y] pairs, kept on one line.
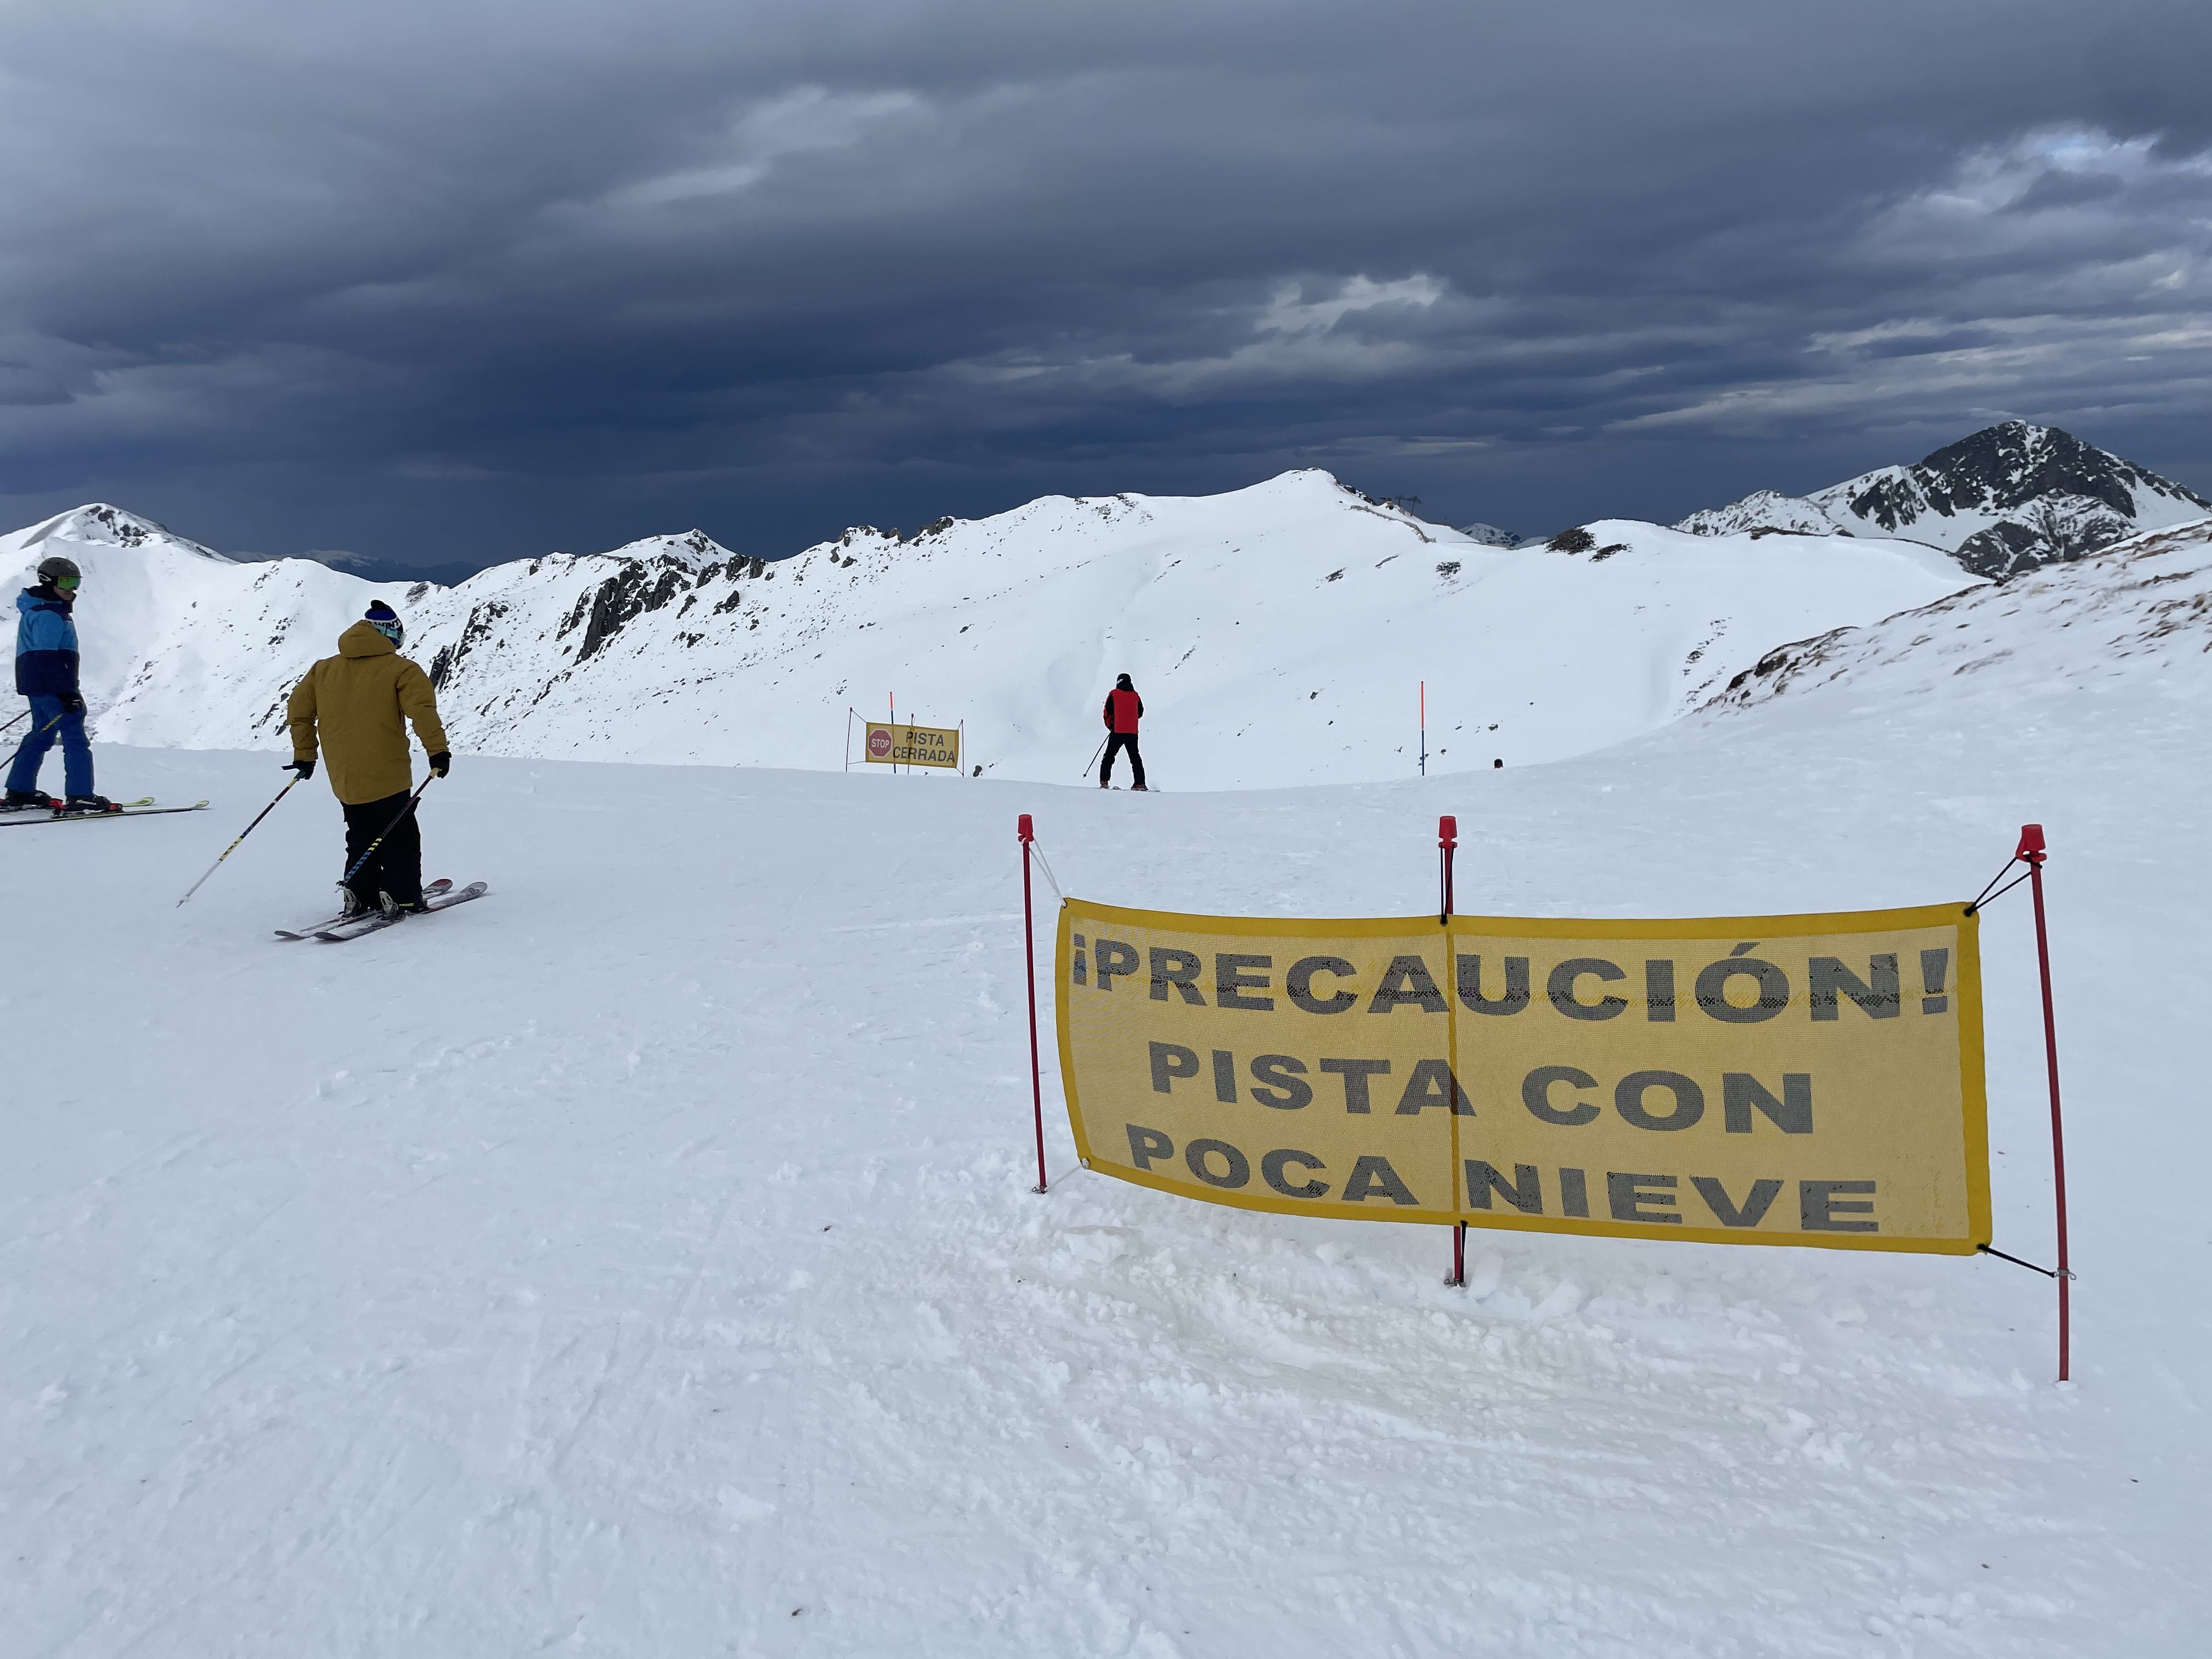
{"points": [[1279, 634], [642, 1260]]}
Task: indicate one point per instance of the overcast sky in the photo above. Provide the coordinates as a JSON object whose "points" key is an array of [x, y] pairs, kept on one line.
{"points": [[474, 279]]}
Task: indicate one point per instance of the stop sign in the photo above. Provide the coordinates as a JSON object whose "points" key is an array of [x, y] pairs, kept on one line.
{"points": [[880, 743]]}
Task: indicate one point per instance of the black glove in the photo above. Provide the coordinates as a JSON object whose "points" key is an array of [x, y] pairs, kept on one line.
{"points": [[305, 768], [441, 763], [72, 703]]}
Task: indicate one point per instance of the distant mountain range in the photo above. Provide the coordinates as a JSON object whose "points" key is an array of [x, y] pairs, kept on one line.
{"points": [[1280, 635], [2008, 499]]}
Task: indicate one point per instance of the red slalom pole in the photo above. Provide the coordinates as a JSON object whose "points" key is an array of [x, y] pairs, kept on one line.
{"points": [[1026, 831], [1447, 845], [2032, 853]]}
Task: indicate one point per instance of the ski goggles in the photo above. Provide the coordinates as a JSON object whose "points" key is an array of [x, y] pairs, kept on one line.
{"points": [[67, 584]]}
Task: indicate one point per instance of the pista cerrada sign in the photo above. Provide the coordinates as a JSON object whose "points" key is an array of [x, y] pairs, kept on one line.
{"points": [[1812, 1079], [908, 744]]}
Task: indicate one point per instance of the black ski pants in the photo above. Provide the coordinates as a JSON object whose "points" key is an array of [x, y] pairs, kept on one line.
{"points": [[1114, 745], [395, 867]]}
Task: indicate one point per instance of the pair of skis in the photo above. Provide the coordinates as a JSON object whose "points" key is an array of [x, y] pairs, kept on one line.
{"points": [[142, 808], [439, 895], [331, 930]]}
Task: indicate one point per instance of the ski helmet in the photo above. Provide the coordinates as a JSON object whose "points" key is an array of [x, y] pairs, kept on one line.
{"points": [[386, 621], [59, 570]]}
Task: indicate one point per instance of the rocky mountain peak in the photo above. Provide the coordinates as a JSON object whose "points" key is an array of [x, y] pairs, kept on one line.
{"points": [[2007, 466], [2009, 498]]}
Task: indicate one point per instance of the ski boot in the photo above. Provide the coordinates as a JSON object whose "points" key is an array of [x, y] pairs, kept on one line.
{"points": [[392, 906], [85, 806], [1141, 789], [350, 903], [23, 800]]}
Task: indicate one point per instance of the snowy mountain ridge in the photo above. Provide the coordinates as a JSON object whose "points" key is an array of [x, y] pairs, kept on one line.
{"points": [[96, 524], [1280, 635], [2004, 500]]}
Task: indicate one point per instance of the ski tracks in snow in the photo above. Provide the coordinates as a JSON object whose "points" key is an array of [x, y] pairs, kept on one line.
{"points": [[650, 1267]]}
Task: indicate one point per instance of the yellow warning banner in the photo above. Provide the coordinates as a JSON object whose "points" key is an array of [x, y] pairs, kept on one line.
{"points": [[1750, 1079], [908, 744]]}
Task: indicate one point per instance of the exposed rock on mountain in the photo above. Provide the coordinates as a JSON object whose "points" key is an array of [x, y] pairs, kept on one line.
{"points": [[2006, 500]]}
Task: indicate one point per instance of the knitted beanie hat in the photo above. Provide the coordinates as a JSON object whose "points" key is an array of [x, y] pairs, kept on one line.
{"points": [[386, 621]]}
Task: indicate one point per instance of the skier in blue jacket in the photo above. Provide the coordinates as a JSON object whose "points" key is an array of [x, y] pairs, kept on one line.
{"points": [[45, 672]]}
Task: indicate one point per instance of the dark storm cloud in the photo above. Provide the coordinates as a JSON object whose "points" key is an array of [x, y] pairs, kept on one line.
{"points": [[472, 279]]}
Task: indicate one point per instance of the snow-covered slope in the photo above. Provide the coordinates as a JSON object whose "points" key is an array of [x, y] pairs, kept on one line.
{"points": [[2007, 499], [1278, 634], [642, 1262], [2138, 614], [165, 622]]}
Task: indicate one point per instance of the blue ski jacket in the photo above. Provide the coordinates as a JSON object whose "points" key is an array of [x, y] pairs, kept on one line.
{"points": [[45, 645]]}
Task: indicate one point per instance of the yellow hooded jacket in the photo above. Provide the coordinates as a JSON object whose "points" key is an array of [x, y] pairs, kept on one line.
{"points": [[357, 701]]}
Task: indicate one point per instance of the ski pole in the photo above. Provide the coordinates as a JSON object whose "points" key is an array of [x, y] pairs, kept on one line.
{"points": [[242, 835], [1095, 753], [43, 729], [369, 852]]}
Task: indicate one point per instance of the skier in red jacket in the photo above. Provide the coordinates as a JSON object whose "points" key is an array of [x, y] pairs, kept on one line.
{"points": [[1124, 708]]}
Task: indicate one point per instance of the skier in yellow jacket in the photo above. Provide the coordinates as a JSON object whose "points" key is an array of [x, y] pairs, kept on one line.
{"points": [[359, 702]]}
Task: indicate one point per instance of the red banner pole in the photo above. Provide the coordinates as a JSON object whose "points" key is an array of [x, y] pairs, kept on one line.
{"points": [[2031, 851], [1447, 845], [1026, 831]]}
